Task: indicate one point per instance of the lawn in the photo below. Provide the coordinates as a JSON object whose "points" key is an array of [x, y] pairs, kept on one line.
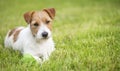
{"points": [[86, 35]]}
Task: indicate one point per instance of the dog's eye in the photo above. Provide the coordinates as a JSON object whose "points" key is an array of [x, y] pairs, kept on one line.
{"points": [[47, 22], [36, 24]]}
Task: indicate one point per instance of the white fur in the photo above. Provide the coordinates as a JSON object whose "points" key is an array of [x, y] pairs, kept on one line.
{"points": [[27, 44]]}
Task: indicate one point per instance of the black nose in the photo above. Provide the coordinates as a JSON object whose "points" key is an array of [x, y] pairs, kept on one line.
{"points": [[44, 34]]}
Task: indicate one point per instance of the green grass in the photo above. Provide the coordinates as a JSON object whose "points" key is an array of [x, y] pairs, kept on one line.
{"points": [[86, 33]]}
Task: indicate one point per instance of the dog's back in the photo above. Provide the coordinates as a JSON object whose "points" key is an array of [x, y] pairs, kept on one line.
{"points": [[12, 36]]}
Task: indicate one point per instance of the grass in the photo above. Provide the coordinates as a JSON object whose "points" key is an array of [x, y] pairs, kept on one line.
{"points": [[86, 33]]}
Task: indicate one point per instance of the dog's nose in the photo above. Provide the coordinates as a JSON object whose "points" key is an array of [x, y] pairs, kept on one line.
{"points": [[44, 34]]}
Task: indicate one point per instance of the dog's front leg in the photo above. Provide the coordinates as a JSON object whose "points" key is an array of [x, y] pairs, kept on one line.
{"points": [[45, 57], [38, 59]]}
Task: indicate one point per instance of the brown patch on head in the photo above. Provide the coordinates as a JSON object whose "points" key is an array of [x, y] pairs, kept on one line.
{"points": [[15, 36], [38, 18], [11, 32]]}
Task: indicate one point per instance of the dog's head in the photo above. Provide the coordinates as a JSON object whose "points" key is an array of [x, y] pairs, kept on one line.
{"points": [[40, 22]]}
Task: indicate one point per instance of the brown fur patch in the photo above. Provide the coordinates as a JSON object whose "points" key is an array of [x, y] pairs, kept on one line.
{"points": [[16, 35], [11, 32], [49, 26]]}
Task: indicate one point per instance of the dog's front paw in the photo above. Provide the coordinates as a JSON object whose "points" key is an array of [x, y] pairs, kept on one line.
{"points": [[45, 58], [39, 60]]}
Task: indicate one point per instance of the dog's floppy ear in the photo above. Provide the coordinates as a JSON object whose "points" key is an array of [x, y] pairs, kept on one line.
{"points": [[28, 16], [50, 12]]}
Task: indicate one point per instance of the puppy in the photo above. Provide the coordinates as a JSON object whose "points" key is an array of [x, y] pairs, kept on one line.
{"points": [[36, 38]]}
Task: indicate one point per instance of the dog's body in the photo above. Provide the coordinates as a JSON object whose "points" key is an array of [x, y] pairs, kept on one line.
{"points": [[36, 38]]}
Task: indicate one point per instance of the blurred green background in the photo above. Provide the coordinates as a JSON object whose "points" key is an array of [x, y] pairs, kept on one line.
{"points": [[86, 34]]}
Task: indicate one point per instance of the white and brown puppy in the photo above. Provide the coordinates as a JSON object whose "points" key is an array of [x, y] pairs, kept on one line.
{"points": [[36, 38]]}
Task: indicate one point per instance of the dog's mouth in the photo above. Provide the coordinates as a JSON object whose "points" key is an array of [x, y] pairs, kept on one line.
{"points": [[39, 39], [44, 38]]}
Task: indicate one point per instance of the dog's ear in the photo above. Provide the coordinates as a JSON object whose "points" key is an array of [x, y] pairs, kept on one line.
{"points": [[50, 12], [28, 16]]}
